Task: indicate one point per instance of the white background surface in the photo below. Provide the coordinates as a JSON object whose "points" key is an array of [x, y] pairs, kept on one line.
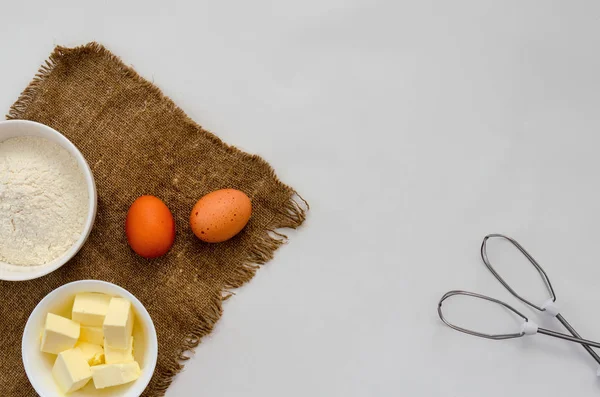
{"points": [[413, 128]]}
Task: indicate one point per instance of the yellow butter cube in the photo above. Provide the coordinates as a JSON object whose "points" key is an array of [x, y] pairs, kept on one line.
{"points": [[93, 335], [118, 356], [59, 334], [108, 375], [71, 371], [94, 354], [118, 324], [90, 308]]}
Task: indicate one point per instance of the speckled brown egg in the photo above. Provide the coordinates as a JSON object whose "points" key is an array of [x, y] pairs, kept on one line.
{"points": [[220, 215]]}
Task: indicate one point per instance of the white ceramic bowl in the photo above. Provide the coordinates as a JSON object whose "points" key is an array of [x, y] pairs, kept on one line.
{"points": [[16, 128], [38, 365]]}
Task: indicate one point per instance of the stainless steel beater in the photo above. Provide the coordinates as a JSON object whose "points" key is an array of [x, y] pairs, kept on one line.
{"points": [[528, 327]]}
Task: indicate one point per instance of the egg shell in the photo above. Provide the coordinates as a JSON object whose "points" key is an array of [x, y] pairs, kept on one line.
{"points": [[220, 215], [150, 227]]}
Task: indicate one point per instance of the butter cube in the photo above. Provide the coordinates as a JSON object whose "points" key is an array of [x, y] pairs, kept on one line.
{"points": [[118, 324], [94, 335], [119, 356], [71, 371], [59, 334], [108, 375], [90, 308], [93, 354]]}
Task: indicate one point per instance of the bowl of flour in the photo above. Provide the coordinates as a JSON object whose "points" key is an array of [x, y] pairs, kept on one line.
{"points": [[48, 200]]}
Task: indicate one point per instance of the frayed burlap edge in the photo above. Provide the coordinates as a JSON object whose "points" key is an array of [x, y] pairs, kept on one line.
{"points": [[291, 216]]}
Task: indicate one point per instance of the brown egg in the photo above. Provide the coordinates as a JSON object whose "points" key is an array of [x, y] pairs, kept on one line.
{"points": [[220, 215], [150, 227]]}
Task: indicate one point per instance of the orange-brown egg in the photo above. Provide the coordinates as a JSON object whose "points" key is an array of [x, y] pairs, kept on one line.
{"points": [[150, 227], [220, 215]]}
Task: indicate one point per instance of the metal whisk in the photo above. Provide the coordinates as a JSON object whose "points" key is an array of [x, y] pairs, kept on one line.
{"points": [[528, 327]]}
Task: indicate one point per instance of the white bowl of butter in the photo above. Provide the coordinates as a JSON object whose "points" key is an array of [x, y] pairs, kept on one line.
{"points": [[60, 302]]}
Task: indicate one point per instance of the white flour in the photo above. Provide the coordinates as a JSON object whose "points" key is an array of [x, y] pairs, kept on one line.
{"points": [[43, 201]]}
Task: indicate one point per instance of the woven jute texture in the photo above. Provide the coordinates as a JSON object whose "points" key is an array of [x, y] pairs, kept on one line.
{"points": [[137, 142]]}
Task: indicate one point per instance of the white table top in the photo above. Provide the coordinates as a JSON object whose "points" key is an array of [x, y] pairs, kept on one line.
{"points": [[413, 128]]}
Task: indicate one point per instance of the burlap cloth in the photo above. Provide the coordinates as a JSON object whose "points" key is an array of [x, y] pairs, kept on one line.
{"points": [[137, 141]]}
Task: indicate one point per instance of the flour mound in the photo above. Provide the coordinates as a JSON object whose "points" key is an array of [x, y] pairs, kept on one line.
{"points": [[43, 201]]}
